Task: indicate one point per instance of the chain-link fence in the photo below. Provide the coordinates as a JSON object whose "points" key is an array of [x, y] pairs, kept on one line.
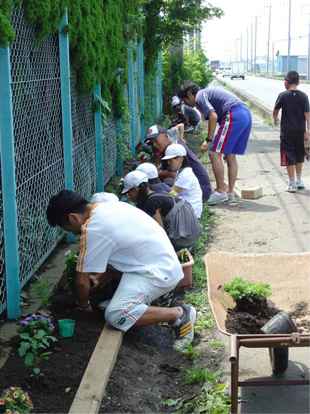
{"points": [[37, 115]]}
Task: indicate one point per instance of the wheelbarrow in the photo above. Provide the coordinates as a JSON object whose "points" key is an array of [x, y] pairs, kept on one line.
{"points": [[289, 277]]}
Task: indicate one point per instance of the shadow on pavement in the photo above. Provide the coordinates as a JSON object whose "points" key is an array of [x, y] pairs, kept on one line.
{"points": [[249, 206], [283, 399]]}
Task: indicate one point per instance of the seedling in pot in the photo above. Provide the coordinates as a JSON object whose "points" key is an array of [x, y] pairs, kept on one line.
{"points": [[183, 256]]}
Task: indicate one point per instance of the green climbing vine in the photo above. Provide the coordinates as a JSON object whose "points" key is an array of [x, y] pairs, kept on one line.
{"points": [[99, 32]]}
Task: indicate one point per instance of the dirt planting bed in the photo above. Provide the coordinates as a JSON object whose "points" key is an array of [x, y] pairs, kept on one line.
{"points": [[149, 372], [53, 392]]}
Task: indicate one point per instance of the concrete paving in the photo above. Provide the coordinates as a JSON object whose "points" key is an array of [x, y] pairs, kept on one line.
{"points": [[263, 89], [278, 222]]}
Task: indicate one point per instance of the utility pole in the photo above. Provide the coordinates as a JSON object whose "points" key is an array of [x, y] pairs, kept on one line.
{"points": [[268, 42], [255, 45], [272, 58], [252, 42], [247, 49], [289, 35], [308, 71], [241, 47]]}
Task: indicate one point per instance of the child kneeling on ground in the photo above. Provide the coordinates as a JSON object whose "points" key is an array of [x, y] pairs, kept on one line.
{"points": [[175, 215], [186, 184], [131, 242]]}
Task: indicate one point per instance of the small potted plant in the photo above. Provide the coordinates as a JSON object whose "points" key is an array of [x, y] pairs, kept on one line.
{"points": [[15, 400], [187, 262]]}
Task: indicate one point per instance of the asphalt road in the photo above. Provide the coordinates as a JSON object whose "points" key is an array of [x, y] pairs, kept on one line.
{"points": [[265, 90]]}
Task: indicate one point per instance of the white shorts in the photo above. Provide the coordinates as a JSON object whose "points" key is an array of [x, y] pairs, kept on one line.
{"points": [[131, 299]]}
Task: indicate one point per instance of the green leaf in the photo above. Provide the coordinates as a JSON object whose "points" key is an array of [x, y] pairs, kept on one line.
{"points": [[23, 348], [36, 371], [171, 402], [29, 359]]}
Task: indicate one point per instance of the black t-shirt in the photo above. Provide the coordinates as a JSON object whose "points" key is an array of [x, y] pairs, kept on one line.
{"points": [[156, 201], [294, 104]]}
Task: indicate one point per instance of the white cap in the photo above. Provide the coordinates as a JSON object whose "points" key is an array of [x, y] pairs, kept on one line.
{"points": [[173, 151], [103, 197], [133, 180], [149, 169], [175, 101]]}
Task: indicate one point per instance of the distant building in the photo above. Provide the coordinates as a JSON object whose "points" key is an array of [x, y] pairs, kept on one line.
{"points": [[215, 64]]}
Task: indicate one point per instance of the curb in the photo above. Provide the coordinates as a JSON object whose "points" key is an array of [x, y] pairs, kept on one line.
{"points": [[253, 102]]}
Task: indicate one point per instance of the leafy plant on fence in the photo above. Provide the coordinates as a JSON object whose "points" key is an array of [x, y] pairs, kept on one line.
{"points": [[15, 400], [240, 289], [35, 334]]}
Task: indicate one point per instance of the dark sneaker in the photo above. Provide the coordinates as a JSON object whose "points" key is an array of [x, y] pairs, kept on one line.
{"points": [[185, 330]]}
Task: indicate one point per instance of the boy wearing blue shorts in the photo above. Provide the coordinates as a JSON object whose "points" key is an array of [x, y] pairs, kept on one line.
{"points": [[235, 122]]}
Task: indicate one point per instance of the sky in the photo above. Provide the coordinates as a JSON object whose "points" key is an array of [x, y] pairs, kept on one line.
{"points": [[221, 37]]}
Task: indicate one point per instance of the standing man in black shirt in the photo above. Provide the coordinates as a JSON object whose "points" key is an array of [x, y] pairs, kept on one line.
{"points": [[295, 129]]}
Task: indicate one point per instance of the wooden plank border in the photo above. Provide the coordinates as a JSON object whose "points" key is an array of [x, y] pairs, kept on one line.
{"points": [[96, 376]]}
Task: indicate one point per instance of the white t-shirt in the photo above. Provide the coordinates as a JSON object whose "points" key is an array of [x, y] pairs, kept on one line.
{"points": [[192, 193], [129, 240]]}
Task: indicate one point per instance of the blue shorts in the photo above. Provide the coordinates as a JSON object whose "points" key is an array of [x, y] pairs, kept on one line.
{"points": [[233, 134]]}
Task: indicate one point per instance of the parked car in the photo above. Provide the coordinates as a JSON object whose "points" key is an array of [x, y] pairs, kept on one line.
{"points": [[227, 72]]}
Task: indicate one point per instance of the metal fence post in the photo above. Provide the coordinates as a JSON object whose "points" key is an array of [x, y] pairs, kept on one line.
{"points": [[131, 100], [141, 86], [65, 85], [66, 101], [99, 140], [10, 218]]}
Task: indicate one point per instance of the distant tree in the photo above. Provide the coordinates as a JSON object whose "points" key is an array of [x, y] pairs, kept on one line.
{"points": [[167, 21]]}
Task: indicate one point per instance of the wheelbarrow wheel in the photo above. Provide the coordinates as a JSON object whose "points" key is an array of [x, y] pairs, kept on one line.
{"points": [[278, 360]]}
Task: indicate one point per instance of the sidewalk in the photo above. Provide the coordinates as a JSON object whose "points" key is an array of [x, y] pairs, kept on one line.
{"points": [[278, 222]]}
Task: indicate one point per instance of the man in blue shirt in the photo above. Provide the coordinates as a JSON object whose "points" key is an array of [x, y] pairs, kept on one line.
{"points": [[234, 118]]}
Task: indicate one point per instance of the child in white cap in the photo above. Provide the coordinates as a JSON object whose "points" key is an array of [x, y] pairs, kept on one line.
{"points": [[155, 183], [186, 185]]}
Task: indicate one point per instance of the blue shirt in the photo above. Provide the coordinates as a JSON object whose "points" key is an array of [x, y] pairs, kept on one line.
{"points": [[216, 99]]}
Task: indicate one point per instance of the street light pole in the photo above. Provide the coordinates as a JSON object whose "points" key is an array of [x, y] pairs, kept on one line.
{"points": [[308, 71], [255, 45], [289, 35], [268, 43], [247, 49]]}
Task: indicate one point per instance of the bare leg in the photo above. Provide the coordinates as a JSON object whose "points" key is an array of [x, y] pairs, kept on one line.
{"points": [[299, 166], [291, 172], [232, 171], [156, 314], [218, 171]]}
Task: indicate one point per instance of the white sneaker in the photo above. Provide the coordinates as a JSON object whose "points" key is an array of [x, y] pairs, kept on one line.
{"points": [[233, 198], [217, 198], [292, 188], [300, 185]]}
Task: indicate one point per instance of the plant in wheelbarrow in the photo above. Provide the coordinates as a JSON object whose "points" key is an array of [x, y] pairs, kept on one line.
{"points": [[35, 335], [249, 296]]}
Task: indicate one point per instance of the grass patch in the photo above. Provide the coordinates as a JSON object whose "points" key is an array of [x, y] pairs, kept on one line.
{"points": [[216, 344], [191, 352], [197, 375]]}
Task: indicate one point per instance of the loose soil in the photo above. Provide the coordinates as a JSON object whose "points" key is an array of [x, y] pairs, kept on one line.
{"points": [[53, 392], [148, 372], [250, 318]]}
